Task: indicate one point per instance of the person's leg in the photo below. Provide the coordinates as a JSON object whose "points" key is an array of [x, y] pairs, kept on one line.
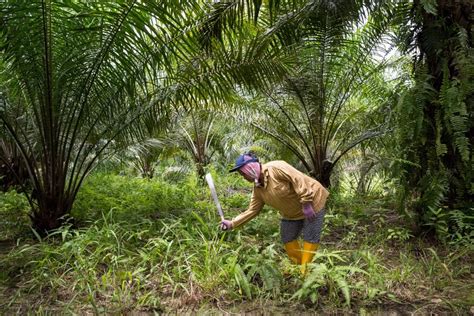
{"points": [[311, 236], [289, 232]]}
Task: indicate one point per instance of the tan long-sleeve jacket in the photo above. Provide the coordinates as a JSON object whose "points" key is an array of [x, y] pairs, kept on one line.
{"points": [[285, 189]]}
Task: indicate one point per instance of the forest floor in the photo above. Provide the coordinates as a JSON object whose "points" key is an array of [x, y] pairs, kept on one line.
{"points": [[449, 294], [175, 262]]}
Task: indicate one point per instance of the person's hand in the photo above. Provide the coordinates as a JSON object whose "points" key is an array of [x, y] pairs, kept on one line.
{"points": [[308, 211], [226, 224]]}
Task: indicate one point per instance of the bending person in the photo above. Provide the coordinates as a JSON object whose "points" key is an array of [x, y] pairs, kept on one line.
{"points": [[299, 198]]}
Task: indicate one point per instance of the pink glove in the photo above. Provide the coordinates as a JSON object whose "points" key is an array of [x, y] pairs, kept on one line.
{"points": [[308, 211], [226, 224]]}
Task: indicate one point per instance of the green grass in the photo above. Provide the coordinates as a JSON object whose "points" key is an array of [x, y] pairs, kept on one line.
{"points": [[153, 246], [14, 210]]}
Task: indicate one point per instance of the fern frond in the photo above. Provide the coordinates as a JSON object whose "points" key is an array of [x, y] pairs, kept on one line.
{"points": [[434, 186]]}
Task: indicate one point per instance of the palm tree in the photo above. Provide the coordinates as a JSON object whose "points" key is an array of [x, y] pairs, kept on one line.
{"points": [[312, 112], [436, 133], [196, 136], [334, 43], [83, 73], [77, 71]]}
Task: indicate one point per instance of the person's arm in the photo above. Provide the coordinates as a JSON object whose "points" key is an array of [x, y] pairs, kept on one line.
{"points": [[255, 206]]}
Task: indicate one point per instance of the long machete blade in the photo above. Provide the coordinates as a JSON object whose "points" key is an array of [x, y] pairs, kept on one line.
{"points": [[210, 182]]}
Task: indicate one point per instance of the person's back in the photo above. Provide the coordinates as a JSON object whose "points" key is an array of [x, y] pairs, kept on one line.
{"points": [[285, 188]]}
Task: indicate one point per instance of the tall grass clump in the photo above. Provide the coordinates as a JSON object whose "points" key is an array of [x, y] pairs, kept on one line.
{"points": [[131, 197]]}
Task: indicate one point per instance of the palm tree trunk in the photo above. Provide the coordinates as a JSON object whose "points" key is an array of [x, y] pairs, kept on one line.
{"points": [[50, 212], [442, 64]]}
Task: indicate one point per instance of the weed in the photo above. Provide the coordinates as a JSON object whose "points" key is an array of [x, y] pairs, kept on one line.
{"points": [[400, 234], [330, 276]]}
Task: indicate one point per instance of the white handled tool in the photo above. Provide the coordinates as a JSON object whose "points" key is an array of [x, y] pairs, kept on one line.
{"points": [[210, 182]]}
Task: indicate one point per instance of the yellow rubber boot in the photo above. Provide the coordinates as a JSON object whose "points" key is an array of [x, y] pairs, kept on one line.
{"points": [[293, 249], [309, 249]]}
